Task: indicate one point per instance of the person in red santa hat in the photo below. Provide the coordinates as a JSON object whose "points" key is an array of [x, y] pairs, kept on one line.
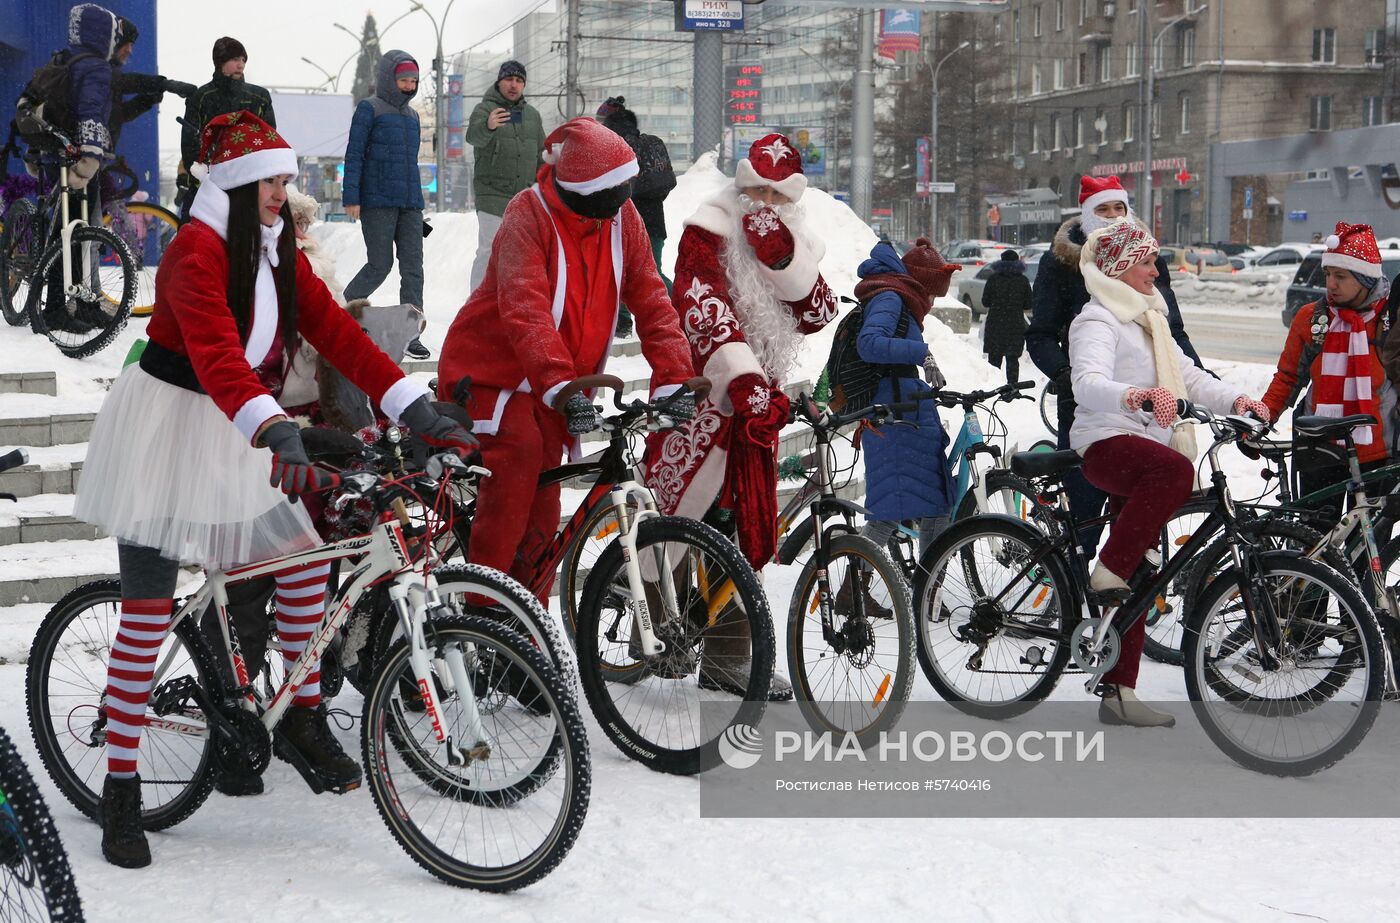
{"points": [[747, 289], [1332, 357], [569, 250], [177, 467]]}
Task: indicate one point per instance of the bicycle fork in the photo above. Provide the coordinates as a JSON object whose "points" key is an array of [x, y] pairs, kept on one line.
{"points": [[627, 536], [70, 287]]}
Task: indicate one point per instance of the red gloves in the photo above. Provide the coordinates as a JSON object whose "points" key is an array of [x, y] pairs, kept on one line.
{"points": [[1246, 404], [1163, 403], [751, 481], [771, 240]]}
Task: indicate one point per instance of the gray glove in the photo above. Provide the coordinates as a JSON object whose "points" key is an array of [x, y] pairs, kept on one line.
{"points": [[437, 430], [292, 471], [681, 408], [932, 374], [581, 415]]}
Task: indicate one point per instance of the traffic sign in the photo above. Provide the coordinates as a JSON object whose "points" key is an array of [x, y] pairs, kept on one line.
{"points": [[1249, 197], [943, 188], [1247, 214]]}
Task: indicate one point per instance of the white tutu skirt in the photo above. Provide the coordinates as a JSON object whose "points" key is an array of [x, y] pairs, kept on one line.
{"points": [[167, 470]]}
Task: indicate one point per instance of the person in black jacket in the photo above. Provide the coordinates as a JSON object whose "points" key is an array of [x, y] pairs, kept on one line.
{"points": [[655, 180], [1058, 297], [1007, 298], [227, 92]]}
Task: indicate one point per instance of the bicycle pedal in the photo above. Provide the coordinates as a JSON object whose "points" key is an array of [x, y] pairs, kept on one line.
{"points": [[1109, 599], [171, 695]]}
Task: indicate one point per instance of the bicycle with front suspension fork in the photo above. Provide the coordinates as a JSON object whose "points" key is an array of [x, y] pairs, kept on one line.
{"points": [[474, 751], [1285, 664]]}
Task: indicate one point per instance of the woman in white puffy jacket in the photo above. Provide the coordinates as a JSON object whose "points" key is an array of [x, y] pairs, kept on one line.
{"points": [[1121, 355]]}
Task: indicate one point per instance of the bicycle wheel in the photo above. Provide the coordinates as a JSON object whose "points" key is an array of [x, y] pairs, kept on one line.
{"points": [[718, 663], [19, 252], [36, 882], [84, 323], [66, 687], [1050, 410], [857, 680], [1162, 642], [1007, 495], [599, 529], [482, 832], [147, 229], [1301, 705], [992, 627]]}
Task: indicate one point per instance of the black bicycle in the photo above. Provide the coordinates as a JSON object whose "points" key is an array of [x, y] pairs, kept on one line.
{"points": [[1285, 664]]}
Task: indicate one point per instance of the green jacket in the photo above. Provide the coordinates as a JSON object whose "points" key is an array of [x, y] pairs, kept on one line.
{"points": [[508, 158]]}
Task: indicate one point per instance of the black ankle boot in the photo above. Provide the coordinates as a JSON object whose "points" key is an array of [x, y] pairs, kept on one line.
{"points": [[304, 739], [237, 783], [119, 813]]}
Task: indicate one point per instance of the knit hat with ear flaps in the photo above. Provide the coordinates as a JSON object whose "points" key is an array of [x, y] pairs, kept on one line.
{"points": [[772, 162], [1119, 247], [1353, 247], [240, 148], [929, 269]]}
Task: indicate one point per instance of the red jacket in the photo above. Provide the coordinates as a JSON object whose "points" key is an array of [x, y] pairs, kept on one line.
{"points": [[1286, 377], [192, 318], [507, 336]]}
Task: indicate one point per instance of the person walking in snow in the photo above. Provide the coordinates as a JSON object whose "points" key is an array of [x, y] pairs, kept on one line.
{"points": [[748, 288], [1007, 298], [1123, 356], [177, 466], [382, 190]]}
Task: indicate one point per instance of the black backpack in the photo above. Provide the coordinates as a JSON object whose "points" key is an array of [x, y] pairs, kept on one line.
{"points": [[853, 380], [43, 104]]}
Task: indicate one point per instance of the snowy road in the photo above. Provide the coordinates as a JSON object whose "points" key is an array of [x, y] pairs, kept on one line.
{"points": [[1251, 333]]}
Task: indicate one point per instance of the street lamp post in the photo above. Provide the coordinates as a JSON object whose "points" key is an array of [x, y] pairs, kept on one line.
{"points": [[440, 128], [933, 144], [1148, 120]]}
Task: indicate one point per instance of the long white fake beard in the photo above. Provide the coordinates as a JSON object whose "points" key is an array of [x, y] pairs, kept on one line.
{"points": [[769, 327]]}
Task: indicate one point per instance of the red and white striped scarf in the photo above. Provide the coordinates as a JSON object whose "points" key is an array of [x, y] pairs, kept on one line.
{"points": [[1344, 385]]}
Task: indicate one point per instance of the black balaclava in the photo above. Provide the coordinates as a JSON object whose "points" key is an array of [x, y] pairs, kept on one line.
{"points": [[598, 205]]}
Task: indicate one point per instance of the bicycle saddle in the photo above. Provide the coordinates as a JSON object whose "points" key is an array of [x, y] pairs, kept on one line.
{"points": [[1045, 464], [1331, 426]]}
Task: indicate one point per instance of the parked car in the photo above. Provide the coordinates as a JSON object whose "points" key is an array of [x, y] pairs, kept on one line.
{"points": [[970, 289], [1194, 259], [1286, 257], [1310, 282], [973, 252], [1230, 248]]}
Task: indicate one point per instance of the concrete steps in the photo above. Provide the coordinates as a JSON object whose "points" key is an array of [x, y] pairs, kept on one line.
{"points": [[29, 383]]}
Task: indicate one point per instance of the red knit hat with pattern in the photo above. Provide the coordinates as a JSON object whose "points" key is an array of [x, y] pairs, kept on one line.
{"points": [[1094, 191], [240, 148], [774, 162], [1119, 247], [929, 269], [1353, 246], [588, 157]]}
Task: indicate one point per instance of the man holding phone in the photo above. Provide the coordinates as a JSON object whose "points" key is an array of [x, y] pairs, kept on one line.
{"points": [[507, 138]]}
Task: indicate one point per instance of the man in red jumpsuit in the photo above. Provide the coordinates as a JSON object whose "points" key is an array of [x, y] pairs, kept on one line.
{"points": [[569, 250]]}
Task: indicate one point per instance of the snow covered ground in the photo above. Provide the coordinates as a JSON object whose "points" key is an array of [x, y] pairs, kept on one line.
{"points": [[645, 853]]}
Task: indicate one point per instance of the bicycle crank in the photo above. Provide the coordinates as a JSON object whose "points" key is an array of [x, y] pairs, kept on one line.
{"points": [[1095, 647]]}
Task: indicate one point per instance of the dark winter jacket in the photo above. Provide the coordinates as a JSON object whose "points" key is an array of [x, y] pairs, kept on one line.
{"points": [[219, 96], [381, 157], [508, 158], [1007, 298], [92, 41], [1058, 297], [906, 469], [655, 178]]}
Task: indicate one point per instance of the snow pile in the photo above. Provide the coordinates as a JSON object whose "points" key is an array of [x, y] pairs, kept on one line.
{"points": [[1249, 290]]}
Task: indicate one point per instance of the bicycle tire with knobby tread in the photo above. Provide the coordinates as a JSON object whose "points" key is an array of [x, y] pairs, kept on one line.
{"points": [[38, 293], [999, 480], [39, 837], [19, 219], [159, 213]]}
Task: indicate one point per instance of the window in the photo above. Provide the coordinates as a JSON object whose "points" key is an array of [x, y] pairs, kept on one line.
{"points": [[1186, 46], [1035, 138], [1059, 73], [1016, 25], [1157, 52], [1129, 121], [1324, 50], [1105, 63], [1059, 15], [1084, 10], [1320, 118], [1077, 128], [1131, 60], [1184, 107], [1054, 131], [1375, 46], [1372, 111], [1035, 21], [1082, 75], [1037, 81], [1156, 120], [1101, 125]]}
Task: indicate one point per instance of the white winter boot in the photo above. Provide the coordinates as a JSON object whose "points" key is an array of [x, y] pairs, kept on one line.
{"points": [[1120, 705], [1104, 580]]}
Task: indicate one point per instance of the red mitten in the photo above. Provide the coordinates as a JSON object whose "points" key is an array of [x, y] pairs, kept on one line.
{"points": [[1163, 403], [771, 240], [750, 395], [1246, 404]]}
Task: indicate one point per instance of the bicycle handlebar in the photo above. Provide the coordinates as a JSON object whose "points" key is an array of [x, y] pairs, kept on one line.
{"points": [[808, 409], [1237, 426]]}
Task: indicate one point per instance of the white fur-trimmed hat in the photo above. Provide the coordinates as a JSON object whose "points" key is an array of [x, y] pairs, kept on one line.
{"points": [[772, 162], [1353, 247], [1094, 192], [588, 157], [241, 148]]}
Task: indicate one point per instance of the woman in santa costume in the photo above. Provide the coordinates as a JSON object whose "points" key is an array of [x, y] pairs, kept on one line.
{"points": [[747, 289], [177, 467], [569, 249], [1122, 356]]}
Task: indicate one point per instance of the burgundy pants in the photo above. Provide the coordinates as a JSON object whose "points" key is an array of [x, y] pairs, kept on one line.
{"points": [[1147, 483]]}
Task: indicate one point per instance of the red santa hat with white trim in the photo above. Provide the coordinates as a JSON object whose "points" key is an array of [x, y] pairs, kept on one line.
{"points": [[1353, 247], [773, 161], [588, 157], [1095, 191], [240, 148]]}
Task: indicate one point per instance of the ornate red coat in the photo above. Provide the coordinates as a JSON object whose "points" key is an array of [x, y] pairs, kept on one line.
{"points": [[192, 318], [686, 467], [546, 310]]}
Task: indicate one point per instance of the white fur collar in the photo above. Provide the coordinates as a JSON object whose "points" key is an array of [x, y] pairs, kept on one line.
{"points": [[211, 207]]}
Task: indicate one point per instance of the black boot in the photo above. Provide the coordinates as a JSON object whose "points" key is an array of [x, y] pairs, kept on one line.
{"points": [[237, 782], [845, 597], [119, 813], [304, 739]]}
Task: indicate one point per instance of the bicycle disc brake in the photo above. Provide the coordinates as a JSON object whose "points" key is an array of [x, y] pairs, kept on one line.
{"points": [[1081, 643]]}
